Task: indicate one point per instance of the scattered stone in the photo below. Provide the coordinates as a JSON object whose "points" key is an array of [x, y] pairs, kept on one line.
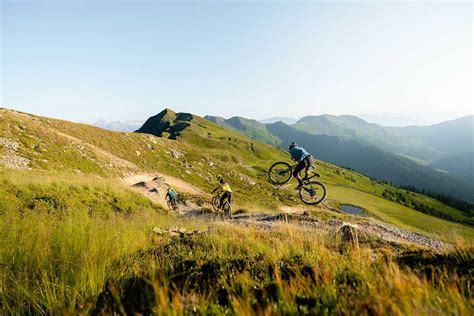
{"points": [[15, 162], [137, 153], [159, 231], [149, 147], [176, 154], [153, 190], [9, 145], [10, 158], [176, 231], [140, 184], [349, 234], [391, 233]]}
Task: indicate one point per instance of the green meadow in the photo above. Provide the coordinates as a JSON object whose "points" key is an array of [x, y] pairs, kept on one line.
{"points": [[74, 239]]}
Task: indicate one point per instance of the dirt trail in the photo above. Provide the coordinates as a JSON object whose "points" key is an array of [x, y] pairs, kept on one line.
{"points": [[154, 187], [369, 227], [301, 209]]}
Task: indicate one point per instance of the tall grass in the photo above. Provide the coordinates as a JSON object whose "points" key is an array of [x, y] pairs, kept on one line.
{"points": [[57, 265], [54, 265], [59, 241], [284, 271], [80, 247]]}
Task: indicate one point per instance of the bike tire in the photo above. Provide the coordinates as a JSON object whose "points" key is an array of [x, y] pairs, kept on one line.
{"points": [[227, 208], [318, 188], [282, 169], [215, 203]]}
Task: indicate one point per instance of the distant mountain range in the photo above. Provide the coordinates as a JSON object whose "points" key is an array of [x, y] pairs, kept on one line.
{"points": [[429, 145], [286, 120], [119, 126], [408, 119], [408, 156]]}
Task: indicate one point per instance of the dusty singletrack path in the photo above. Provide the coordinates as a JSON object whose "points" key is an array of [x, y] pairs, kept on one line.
{"points": [[294, 216]]}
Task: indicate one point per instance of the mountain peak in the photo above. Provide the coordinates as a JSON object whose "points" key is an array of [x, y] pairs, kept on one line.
{"points": [[287, 120], [166, 121]]}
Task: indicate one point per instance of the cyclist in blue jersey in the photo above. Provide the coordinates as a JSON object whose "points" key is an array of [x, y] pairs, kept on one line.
{"points": [[171, 195], [304, 160]]}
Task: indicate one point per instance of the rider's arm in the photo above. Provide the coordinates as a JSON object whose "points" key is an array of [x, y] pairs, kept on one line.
{"points": [[292, 155]]}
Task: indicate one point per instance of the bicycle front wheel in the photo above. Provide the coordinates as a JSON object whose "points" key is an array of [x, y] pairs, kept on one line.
{"points": [[280, 173], [313, 193], [215, 203]]}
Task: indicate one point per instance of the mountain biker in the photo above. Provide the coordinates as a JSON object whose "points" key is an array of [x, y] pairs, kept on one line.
{"points": [[226, 191], [171, 195], [304, 160]]}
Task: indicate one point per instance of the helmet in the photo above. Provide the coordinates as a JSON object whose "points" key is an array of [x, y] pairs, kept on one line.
{"points": [[221, 180], [293, 145]]}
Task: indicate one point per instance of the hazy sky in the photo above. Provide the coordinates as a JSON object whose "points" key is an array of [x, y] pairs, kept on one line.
{"points": [[83, 60]]}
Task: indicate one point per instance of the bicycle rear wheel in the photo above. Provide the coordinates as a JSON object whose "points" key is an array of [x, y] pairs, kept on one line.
{"points": [[227, 208], [175, 207], [313, 192], [280, 173]]}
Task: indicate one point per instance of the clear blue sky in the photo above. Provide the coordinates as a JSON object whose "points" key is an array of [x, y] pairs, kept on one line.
{"points": [[128, 60]]}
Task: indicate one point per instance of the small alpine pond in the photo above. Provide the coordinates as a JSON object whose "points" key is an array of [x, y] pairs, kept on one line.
{"points": [[351, 209]]}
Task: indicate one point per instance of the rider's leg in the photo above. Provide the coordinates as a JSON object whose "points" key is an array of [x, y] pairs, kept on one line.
{"points": [[296, 172], [308, 165], [224, 197]]}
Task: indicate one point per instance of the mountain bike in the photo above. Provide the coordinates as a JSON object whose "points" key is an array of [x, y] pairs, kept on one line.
{"points": [[312, 192], [172, 205], [226, 208]]}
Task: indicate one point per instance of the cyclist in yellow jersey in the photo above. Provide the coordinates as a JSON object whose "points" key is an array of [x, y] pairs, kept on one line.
{"points": [[226, 191]]}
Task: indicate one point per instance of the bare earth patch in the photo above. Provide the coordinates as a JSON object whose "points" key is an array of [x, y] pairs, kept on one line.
{"points": [[154, 186]]}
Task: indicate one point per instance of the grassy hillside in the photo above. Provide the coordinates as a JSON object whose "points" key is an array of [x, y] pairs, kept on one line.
{"points": [[345, 151], [68, 260], [202, 151], [251, 128], [74, 239]]}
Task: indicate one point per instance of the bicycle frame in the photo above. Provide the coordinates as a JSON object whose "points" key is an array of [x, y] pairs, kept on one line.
{"points": [[314, 174]]}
